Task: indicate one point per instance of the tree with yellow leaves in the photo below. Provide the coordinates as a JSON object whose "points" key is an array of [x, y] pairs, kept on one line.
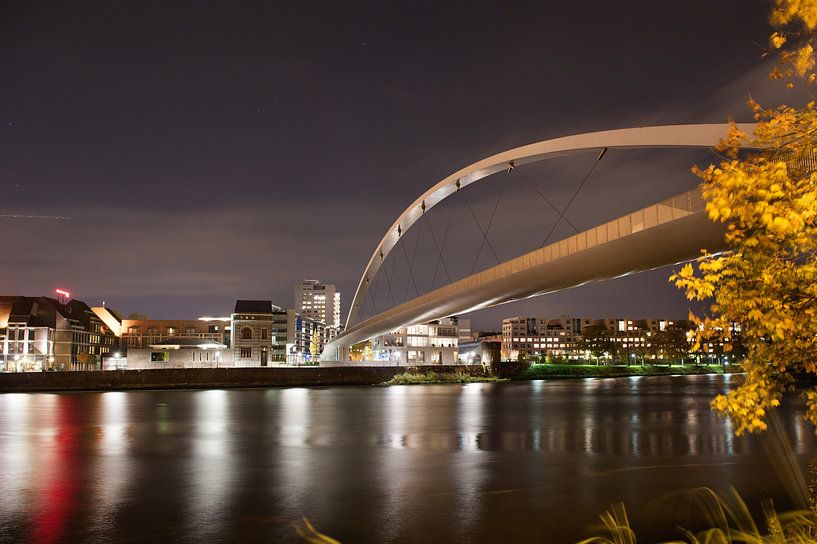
{"points": [[314, 345], [765, 286]]}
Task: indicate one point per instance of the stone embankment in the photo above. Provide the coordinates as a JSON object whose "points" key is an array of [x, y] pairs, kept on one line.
{"points": [[207, 378]]}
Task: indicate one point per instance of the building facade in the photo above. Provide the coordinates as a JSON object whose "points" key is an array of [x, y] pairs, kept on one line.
{"points": [[142, 333], [433, 343], [42, 333], [251, 334], [319, 302], [263, 333], [622, 338], [188, 352]]}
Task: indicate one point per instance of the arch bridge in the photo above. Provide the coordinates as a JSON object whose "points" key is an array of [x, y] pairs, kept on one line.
{"points": [[668, 232]]}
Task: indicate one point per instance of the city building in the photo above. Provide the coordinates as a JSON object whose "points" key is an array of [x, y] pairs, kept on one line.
{"points": [[143, 333], [251, 334], [623, 339], [533, 336], [263, 333], [481, 348], [178, 352], [296, 339], [42, 333], [433, 343], [320, 302]]}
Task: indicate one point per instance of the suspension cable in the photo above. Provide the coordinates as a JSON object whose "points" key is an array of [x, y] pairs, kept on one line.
{"points": [[410, 278], [484, 234], [389, 278], [549, 203], [572, 198], [491, 222], [439, 247], [374, 296]]}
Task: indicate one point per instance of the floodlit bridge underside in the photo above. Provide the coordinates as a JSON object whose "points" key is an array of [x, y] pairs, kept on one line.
{"points": [[671, 231]]}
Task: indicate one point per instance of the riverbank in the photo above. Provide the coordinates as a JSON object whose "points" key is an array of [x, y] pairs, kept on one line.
{"points": [[550, 372], [562, 371], [211, 378], [221, 378]]}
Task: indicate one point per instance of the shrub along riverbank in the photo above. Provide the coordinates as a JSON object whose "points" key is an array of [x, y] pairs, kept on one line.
{"points": [[413, 378]]}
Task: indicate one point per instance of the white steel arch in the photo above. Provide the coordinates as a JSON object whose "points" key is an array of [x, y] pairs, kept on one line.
{"points": [[675, 136]]}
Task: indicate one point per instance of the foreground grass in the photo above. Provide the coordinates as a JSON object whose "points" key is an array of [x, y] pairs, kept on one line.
{"points": [[535, 372], [413, 378], [727, 520]]}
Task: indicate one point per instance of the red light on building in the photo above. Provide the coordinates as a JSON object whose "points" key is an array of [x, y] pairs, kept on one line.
{"points": [[62, 295]]}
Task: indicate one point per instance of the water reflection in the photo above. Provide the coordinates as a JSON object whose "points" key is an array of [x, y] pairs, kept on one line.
{"points": [[530, 461], [211, 465], [57, 489], [468, 469], [113, 470]]}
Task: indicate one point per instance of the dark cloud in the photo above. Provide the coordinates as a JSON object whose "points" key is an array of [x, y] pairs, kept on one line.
{"points": [[206, 152]]}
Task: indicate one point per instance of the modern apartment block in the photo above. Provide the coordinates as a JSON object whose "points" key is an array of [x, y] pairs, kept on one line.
{"points": [[320, 302], [433, 343], [561, 337], [42, 333]]}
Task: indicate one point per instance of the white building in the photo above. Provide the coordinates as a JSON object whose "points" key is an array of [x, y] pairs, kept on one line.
{"points": [[433, 343], [318, 301], [180, 353]]}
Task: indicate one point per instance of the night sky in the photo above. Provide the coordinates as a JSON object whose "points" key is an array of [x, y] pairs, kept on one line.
{"points": [[208, 151]]}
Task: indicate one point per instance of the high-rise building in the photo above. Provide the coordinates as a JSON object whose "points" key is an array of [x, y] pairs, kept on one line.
{"points": [[320, 302]]}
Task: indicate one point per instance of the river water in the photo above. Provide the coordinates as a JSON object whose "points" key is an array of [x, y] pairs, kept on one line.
{"points": [[507, 462]]}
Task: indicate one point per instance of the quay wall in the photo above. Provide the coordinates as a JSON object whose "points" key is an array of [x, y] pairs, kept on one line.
{"points": [[207, 378]]}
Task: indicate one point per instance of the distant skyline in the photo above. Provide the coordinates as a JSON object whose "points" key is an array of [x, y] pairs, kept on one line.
{"points": [[206, 153]]}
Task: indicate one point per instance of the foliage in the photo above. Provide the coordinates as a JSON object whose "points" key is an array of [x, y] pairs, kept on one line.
{"points": [[730, 522], [314, 344], [670, 344], [86, 359], [596, 340], [415, 378], [307, 531], [766, 285]]}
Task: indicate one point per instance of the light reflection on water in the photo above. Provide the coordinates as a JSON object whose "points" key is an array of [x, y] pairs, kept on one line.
{"points": [[211, 466], [476, 462]]}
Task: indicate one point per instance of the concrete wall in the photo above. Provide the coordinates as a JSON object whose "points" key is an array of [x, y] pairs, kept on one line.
{"points": [[140, 359], [202, 378]]}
